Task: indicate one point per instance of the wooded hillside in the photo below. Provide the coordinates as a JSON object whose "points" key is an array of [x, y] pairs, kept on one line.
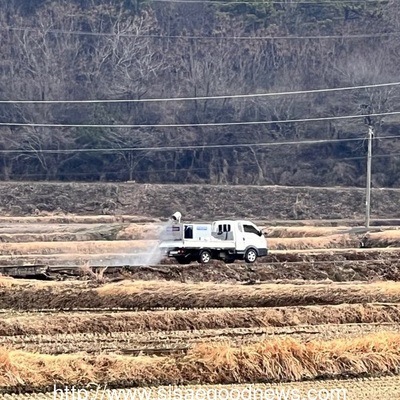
{"points": [[105, 49]]}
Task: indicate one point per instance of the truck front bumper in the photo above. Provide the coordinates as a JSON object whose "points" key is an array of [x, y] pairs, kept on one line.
{"points": [[262, 252]]}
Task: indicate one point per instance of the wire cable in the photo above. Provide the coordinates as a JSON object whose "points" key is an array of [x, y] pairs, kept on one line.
{"points": [[227, 2], [228, 96], [176, 170], [197, 37], [207, 124], [189, 147]]}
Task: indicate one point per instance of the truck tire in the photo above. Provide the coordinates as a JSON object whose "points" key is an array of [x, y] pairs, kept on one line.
{"points": [[204, 257], [250, 256]]}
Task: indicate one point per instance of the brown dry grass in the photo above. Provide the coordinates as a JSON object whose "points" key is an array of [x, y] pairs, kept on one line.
{"points": [[189, 320], [85, 247], [325, 238], [303, 231], [160, 294], [320, 242], [77, 219], [267, 361], [140, 232], [145, 295], [7, 282], [389, 238]]}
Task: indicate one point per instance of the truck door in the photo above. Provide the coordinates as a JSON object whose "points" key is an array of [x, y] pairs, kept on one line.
{"points": [[251, 235], [240, 239]]}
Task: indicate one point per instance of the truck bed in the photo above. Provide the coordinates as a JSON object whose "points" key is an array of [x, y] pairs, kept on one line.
{"points": [[198, 244]]}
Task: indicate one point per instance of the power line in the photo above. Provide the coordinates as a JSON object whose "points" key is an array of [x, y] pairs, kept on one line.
{"points": [[375, 156], [208, 124], [189, 147], [175, 170], [227, 2], [197, 37], [228, 96]]}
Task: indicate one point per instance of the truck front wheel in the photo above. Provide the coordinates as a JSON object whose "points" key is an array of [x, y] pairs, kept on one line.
{"points": [[250, 256], [204, 257]]}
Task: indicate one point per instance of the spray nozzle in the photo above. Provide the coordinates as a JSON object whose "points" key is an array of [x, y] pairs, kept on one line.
{"points": [[176, 217]]}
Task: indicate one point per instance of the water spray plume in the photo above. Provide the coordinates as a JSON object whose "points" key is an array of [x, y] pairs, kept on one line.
{"points": [[150, 255], [154, 254]]}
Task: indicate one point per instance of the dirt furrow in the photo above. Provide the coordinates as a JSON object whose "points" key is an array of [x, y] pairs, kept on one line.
{"points": [[31, 323], [336, 271], [146, 295], [133, 342]]}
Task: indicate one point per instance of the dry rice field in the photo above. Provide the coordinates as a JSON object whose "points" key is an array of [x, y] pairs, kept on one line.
{"points": [[321, 312]]}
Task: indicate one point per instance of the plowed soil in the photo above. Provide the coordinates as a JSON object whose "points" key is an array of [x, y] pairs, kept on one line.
{"points": [[337, 271]]}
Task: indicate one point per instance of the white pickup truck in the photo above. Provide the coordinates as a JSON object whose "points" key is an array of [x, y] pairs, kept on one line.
{"points": [[226, 240]]}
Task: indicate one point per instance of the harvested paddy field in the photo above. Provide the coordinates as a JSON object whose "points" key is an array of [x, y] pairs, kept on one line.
{"points": [[275, 360], [317, 307]]}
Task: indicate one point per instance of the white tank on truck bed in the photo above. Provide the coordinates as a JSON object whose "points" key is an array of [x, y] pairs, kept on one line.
{"points": [[226, 240]]}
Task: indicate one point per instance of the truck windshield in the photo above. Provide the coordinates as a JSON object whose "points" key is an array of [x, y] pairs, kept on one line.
{"points": [[251, 229]]}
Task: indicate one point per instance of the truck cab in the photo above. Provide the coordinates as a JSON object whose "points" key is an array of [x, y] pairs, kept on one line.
{"points": [[226, 240]]}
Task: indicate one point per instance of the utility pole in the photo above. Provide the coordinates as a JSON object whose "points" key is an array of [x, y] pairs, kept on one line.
{"points": [[367, 110], [369, 168]]}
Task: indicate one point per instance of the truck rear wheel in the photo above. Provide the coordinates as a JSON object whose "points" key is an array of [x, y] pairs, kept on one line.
{"points": [[204, 257], [250, 256]]}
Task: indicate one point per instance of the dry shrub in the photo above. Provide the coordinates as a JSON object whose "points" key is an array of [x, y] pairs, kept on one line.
{"points": [[273, 360], [96, 275]]}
